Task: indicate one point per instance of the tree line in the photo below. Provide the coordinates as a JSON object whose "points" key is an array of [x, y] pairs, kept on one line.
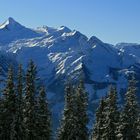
{"points": [[25, 112], [118, 123]]}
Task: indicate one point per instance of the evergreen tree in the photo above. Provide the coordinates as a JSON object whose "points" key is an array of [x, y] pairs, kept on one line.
{"points": [[138, 127], [111, 115], [1, 115], [43, 117], [98, 130], [128, 129], [9, 109], [1, 106], [29, 103], [19, 105], [67, 130], [81, 112]]}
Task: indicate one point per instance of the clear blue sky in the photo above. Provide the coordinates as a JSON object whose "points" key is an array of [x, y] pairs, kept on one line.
{"points": [[110, 20]]}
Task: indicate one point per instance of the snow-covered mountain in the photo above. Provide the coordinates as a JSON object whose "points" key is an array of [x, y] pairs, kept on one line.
{"points": [[11, 30], [61, 53]]}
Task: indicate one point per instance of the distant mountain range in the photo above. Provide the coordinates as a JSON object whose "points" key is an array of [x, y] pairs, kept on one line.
{"points": [[62, 53]]}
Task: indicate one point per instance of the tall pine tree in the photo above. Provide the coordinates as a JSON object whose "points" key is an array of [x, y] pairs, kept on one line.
{"points": [[81, 112], [68, 123], [138, 127], [43, 117], [1, 115], [111, 115], [9, 113], [1, 106], [98, 131], [19, 105], [128, 129], [30, 103]]}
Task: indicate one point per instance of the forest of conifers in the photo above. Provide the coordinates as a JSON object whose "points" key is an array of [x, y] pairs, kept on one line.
{"points": [[25, 112]]}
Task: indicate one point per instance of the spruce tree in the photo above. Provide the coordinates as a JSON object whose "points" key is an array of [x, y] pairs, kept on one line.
{"points": [[138, 127], [9, 112], [1, 115], [1, 102], [68, 126], [43, 117], [128, 129], [81, 112], [111, 115], [19, 105], [30, 103], [98, 130], [1, 106]]}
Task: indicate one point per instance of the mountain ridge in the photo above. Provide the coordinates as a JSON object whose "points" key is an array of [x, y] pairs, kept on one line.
{"points": [[62, 53]]}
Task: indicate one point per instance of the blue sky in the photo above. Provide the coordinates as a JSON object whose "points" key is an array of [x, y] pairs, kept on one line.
{"points": [[112, 21]]}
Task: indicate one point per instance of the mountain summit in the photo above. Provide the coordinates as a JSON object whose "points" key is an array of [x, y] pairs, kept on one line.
{"points": [[8, 23], [11, 30]]}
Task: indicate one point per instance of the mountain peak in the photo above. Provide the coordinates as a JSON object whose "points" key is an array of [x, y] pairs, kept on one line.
{"points": [[11, 20], [64, 29], [94, 40], [11, 30], [10, 23]]}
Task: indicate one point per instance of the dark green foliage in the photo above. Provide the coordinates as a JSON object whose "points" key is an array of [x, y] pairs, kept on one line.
{"points": [[19, 105], [9, 109], [43, 117], [81, 112], [138, 127], [129, 117], [24, 115], [112, 124], [74, 121], [67, 130], [29, 103], [100, 119], [1, 107], [111, 115], [1, 115]]}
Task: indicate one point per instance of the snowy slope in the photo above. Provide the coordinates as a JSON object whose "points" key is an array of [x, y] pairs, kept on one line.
{"points": [[61, 53], [130, 48], [11, 30]]}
